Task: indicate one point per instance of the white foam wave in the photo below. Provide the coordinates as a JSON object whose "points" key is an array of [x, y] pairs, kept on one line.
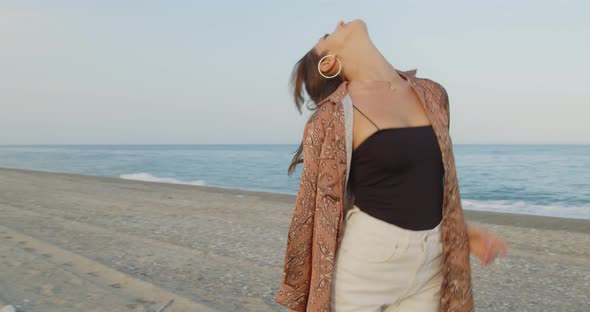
{"points": [[521, 207], [143, 176]]}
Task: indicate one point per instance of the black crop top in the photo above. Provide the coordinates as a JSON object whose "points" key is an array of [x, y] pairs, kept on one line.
{"points": [[397, 176]]}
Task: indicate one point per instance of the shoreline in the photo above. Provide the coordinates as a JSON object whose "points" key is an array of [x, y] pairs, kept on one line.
{"points": [[579, 225]]}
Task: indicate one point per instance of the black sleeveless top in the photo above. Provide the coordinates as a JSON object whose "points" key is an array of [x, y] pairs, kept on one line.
{"points": [[397, 176]]}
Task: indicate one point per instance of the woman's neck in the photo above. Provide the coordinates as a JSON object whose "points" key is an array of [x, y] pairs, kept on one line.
{"points": [[364, 62]]}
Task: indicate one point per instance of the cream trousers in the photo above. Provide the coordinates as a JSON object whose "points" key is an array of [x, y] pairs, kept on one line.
{"points": [[382, 267]]}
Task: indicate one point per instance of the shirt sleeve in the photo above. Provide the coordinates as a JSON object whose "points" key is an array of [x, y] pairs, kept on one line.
{"points": [[294, 290], [446, 105]]}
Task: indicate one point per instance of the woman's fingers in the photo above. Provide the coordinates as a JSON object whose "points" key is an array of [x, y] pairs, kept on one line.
{"points": [[487, 251], [500, 245], [485, 245], [494, 246]]}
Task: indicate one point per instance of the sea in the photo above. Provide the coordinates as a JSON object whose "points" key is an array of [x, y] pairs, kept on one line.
{"points": [[546, 180]]}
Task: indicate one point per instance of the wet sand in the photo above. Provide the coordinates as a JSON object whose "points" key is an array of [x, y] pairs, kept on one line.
{"points": [[79, 243]]}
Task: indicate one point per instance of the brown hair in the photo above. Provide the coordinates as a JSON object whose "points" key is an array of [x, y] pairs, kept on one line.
{"points": [[305, 73]]}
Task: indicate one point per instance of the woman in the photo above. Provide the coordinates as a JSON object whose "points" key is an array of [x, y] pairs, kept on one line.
{"points": [[378, 223]]}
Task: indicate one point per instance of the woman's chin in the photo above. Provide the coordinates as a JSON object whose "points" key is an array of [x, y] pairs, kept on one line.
{"points": [[357, 23]]}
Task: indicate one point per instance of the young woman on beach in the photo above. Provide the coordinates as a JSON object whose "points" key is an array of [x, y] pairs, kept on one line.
{"points": [[378, 223]]}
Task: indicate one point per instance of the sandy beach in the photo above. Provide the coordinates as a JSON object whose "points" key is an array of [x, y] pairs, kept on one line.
{"points": [[79, 243]]}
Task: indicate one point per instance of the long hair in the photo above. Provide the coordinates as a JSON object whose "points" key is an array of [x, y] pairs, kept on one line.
{"points": [[305, 74]]}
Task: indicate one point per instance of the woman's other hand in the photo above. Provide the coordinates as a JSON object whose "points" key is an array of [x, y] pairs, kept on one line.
{"points": [[484, 245]]}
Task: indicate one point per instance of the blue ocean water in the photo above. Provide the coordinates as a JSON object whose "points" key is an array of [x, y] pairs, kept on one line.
{"points": [[550, 180]]}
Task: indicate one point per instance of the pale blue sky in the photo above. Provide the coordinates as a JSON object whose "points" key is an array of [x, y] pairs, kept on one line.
{"points": [[199, 72]]}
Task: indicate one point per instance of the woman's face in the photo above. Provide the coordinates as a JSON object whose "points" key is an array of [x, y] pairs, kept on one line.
{"points": [[340, 37]]}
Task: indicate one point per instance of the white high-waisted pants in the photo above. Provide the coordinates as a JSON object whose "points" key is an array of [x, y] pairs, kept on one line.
{"points": [[382, 267]]}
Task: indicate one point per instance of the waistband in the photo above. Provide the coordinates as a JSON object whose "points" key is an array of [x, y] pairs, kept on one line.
{"points": [[373, 224]]}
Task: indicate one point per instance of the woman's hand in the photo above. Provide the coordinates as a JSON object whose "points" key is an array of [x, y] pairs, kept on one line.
{"points": [[484, 245]]}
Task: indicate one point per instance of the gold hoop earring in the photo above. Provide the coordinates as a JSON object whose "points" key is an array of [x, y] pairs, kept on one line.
{"points": [[339, 66]]}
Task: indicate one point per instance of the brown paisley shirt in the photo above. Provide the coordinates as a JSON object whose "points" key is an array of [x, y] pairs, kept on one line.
{"points": [[324, 197]]}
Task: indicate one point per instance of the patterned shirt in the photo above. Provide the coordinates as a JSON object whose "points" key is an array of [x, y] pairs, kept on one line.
{"points": [[324, 196]]}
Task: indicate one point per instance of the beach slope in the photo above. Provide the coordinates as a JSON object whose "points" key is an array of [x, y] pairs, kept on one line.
{"points": [[79, 243]]}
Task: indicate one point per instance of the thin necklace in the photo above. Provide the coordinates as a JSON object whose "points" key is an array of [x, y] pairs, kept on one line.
{"points": [[391, 87]]}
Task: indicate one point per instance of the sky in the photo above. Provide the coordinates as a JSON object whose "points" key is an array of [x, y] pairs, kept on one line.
{"points": [[217, 72]]}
